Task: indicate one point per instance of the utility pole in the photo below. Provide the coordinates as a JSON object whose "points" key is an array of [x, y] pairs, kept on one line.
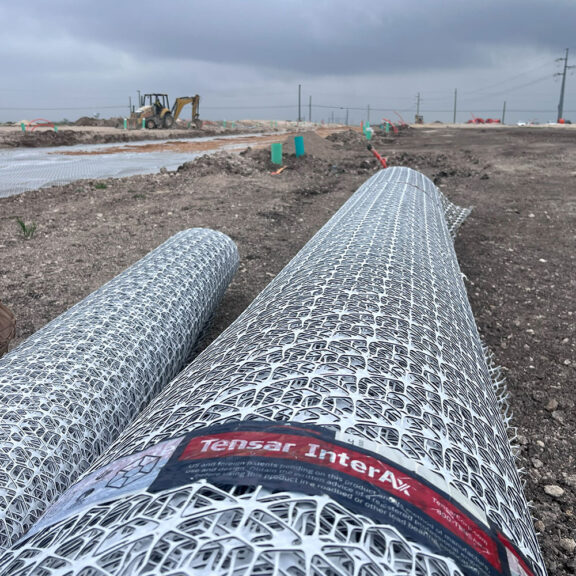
{"points": [[504, 113], [563, 86], [455, 101], [310, 109], [368, 114], [347, 116], [299, 102], [418, 104]]}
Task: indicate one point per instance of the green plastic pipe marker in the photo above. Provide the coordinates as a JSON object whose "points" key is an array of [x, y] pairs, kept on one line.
{"points": [[299, 144], [276, 153]]}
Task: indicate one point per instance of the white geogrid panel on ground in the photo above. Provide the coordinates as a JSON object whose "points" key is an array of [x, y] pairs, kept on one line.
{"points": [[69, 390], [367, 332], [32, 168]]}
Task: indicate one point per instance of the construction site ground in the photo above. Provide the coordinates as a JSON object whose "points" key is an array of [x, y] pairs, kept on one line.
{"points": [[516, 250]]}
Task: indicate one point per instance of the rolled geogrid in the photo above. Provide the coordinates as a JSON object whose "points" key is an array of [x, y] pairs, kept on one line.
{"points": [[362, 354], [69, 390]]}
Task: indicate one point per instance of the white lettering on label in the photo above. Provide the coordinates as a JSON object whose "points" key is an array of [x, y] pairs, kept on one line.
{"points": [[315, 451], [343, 459], [216, 445]]}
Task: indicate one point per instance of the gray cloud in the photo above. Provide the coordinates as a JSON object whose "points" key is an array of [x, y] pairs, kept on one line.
{"points": [[241, 49], [319, 37]]}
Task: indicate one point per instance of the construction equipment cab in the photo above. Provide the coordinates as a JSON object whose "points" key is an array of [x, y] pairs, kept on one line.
{"points": [[156, 112]]}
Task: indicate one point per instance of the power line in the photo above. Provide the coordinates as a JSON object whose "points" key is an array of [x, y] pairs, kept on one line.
{"points": [[346, 109], [519, 87], [481, 92], [501, 82]]}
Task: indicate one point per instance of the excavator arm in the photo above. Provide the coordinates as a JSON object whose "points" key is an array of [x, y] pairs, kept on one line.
{"points": [[179, 103]]}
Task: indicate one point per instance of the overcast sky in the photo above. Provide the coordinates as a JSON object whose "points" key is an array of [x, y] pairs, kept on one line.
{"points": [[246, 58]]}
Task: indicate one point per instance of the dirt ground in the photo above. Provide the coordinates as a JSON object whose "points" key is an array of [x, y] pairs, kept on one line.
{"points": [[517, 251]]}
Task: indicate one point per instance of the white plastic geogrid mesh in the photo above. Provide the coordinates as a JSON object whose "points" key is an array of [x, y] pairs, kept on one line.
{"points": [[367, 332], [69, 390], [24, 169]]}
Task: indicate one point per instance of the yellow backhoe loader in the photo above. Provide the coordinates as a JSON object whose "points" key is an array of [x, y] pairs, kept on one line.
{"points": [[156, 112]]}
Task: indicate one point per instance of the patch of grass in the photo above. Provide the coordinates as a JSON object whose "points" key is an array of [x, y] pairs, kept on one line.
{"points": [[100, 185], [139, 195], [27, 230]]}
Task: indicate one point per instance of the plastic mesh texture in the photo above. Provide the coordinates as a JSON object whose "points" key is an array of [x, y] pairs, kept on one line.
{"points": [[367, 331], [25, 169], [69, 390]]}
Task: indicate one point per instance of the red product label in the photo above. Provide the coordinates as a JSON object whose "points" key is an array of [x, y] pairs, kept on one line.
{"points": [[516, 565], [345, 459]]}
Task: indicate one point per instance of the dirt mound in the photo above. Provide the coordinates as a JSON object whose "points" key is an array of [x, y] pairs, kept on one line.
{"points": [[252, 162], [438, 167], [260, 159], [351, 137], [314, 145], [220, 163], [419, 161], [103, 122], [86, 121]]}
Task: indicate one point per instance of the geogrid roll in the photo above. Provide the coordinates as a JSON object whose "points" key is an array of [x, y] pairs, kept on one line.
{"points": [[345, 423], [69, 390]]}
